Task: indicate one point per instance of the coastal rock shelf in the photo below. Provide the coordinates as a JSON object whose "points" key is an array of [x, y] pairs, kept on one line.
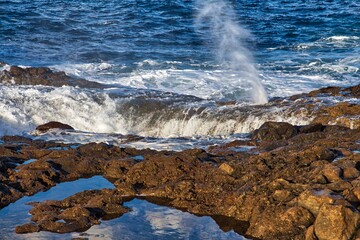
{"points": [[285, 181], [295, 182]]}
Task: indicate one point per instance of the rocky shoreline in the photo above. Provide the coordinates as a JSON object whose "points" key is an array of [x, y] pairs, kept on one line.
{"points": [[293, 182]]}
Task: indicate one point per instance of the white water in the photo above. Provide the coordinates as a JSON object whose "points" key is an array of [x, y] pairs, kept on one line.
{"points": [[230, 38], [94, 111]]}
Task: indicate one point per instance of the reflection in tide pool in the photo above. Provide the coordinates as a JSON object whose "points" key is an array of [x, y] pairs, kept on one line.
{"points": [[17, 213], [145, 221], [150, 221]]}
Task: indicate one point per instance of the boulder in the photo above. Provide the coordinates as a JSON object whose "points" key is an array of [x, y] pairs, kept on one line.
{"points": [[315, 198], [336, 222], [53, 125], [272, 131]]}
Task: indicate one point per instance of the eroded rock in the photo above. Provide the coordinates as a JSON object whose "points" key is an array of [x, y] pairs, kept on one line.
{"points": [[336, 222]]}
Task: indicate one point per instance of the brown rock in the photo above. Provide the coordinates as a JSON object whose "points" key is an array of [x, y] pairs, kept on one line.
{"points": [[282, 195], [350, 173], [344, 114], [336, 222], [226, 168], [27, 228], [74, 213], [274, 131], [332, 173], [314, 199], [53, 125], [81, 224], [310, 233], [311, 128], [43, 76], [280, 222]]}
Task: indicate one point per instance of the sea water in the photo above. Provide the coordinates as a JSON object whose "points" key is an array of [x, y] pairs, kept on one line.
{"points": [[166, 63]]}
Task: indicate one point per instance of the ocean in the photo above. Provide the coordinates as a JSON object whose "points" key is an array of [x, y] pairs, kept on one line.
{"points": [[177, 57], [182, 74]]}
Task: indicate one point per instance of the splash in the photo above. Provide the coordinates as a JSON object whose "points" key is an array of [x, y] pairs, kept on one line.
{"points": [[219, 17]]}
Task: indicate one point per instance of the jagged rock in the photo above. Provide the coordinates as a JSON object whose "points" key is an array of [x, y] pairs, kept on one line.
{"points": [[332, 173], [277, 223], [314, 199], [281, 182], [75, 213], [344, 114], [336, 222]]}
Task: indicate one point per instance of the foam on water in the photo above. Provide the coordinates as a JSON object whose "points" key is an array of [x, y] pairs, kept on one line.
{"points": [[26, 107], [100, 111]]}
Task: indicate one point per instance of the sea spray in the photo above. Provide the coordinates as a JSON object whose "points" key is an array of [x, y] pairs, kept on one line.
{"points": [[219, 17]]}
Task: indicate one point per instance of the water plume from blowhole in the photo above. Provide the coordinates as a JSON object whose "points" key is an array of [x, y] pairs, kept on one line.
{"points": [[217, 17]]}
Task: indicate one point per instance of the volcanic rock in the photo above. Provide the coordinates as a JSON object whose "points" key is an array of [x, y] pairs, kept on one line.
{"points": [[43, 76], [270, 131], [53, 125]]}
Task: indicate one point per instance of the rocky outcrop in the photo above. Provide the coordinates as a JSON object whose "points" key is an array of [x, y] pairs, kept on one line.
{"points": [[43, 76], [294, 183], [76, 213]]}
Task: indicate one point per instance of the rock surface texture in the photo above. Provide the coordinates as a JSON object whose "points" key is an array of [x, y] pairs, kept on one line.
{"points": [[293, 186]]}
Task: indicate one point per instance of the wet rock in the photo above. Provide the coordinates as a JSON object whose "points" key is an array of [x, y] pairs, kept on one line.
{"points": [[8, 194], [27, 228], [274, 131], [53, 125], [336, 222], [344, 114], [311, 128], [76, 213], [116, 168], [43, 76]]}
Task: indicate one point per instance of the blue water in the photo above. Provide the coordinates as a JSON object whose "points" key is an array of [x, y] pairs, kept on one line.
{"points": [[157, 45]]}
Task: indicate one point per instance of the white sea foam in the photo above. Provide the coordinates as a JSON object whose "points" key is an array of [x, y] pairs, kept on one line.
{"points": [[214, 84], [340, 38], [331, 42], [25, 107]]}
